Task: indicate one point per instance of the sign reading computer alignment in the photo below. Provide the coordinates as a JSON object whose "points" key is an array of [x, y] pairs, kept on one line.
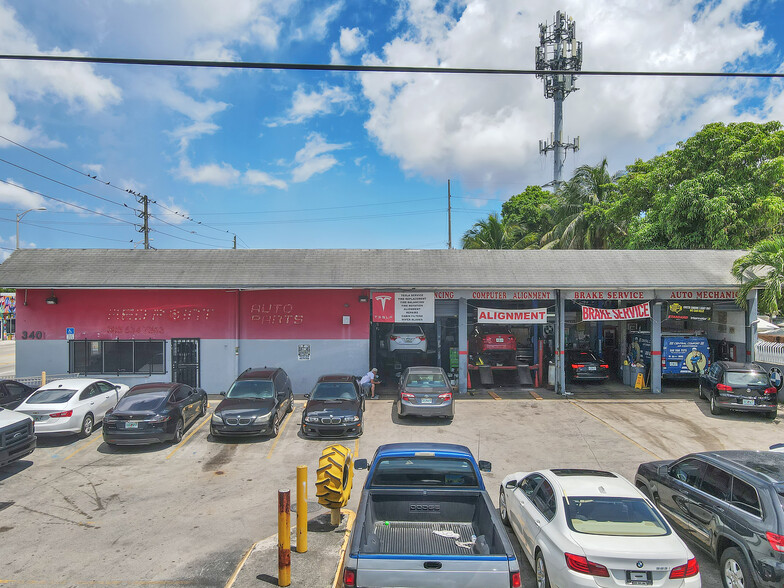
{"points": [[630, 313], [511, 317]]}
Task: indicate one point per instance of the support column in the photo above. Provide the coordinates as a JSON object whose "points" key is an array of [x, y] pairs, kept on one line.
{"points": [[751, 328], [560, 344], [438, 342], [656, 350], [462, 340]]}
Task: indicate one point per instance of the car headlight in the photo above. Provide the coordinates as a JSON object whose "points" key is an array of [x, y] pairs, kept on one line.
{"points": [[311, 419], [216, 418], [351, 419]]}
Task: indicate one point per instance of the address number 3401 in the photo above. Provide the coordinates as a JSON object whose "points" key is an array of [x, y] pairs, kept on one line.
{"points": [[32, 335]]}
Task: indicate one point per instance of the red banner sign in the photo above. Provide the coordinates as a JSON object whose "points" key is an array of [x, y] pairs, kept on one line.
{"points": [[383, 307], [630, 313]]}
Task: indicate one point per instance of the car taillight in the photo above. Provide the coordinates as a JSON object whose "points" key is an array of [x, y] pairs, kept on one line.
{"points": [[776, 541], [578, 563], [406, 396], [421, 337], [349, 577], [605, 366], [64, 414], [576, 366], [445, 396], [687, 570], [159, 418], [770, 390], [514, 580], [724, 387], [393, 338]]}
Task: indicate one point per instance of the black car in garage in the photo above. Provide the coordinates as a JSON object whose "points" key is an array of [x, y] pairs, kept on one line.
{"points": [[729, 503], [12, 393], [582, 365], [254, 405], [730, 385], [334, 408], [154, 413]]}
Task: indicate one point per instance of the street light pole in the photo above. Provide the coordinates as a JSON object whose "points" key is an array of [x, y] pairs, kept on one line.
{"points": [[19, 217]]}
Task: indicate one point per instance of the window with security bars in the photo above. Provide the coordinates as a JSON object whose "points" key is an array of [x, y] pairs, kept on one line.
{"points": [[116, 357]]}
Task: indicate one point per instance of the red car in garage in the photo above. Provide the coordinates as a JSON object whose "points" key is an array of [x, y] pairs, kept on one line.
{"points": [[492, 344]]}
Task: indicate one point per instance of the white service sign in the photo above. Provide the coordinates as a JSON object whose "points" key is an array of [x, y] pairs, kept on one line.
{"points": [[414, 307]]}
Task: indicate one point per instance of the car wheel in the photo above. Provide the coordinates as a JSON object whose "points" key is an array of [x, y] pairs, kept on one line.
{"points": [[87, 426], [275, 428], [203, 408], [291, 404], [502, 511], [714, 408], [735, 572], [178, 430], [542, 580], [701, 392]]}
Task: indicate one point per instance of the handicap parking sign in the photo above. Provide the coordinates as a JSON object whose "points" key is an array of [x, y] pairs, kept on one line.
{"points": [[776, 379], [69, 333]]}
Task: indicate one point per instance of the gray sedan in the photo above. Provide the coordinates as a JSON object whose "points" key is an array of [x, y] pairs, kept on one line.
{"points": [[425, 391]]}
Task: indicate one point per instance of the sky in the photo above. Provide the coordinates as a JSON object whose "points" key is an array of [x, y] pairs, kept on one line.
{"points": [[299, 159]]}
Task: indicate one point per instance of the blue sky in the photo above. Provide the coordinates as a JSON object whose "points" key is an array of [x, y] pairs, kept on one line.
{"points": [[307, 159]]}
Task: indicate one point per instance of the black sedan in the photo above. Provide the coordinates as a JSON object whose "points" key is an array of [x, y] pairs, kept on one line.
{"points": [[334, 408], [746, 387], [154, 413], [584, 365], [12, 393]]}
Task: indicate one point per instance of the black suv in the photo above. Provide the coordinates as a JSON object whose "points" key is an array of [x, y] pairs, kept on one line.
{"points": [[730, 385], [254, 405], [334, 408], [730, 504]]}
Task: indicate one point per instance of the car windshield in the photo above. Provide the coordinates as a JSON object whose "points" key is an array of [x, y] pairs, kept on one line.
{"points": [[334, 391], [746, 379], [251, 389], [424, 471], [425, 381], [51, 396], [613, 516], [407, 330], [146, 401]]}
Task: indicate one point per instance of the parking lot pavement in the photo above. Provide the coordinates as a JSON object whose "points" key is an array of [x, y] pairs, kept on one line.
{"points": [[78, 512]]}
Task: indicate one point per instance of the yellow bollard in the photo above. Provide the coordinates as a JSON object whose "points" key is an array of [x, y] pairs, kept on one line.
{"points": [[302, 509], [43, 378], [284, 538]]}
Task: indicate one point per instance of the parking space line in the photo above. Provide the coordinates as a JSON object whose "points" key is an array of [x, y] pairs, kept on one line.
{"points": [[494, 395], [356, 447], [207, 418], [609, 426], [84, 446], [280, 433], [342, 558]]}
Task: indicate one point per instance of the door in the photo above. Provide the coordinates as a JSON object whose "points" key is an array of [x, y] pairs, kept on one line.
{"points": [[183, 401], [185, 362], [523, 511], [106, 398], [678, 496]]}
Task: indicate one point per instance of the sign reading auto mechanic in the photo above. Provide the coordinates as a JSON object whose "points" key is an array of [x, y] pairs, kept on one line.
{"points": [[494, 294], [511, 317], [609, 294], [724, 294], [403, 307], [630, 313]]}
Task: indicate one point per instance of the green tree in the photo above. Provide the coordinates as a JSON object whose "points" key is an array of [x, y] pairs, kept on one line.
{"points": [[763, 267], [492, 233], [720, 189], [581, 212], [530, 210]]}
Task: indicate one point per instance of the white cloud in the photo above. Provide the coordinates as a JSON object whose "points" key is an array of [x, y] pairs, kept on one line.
{"points": [[315, 158], [93, 168], [318, 27], [351, 40], [215, 174], [255, 177], [19, 197], [306, 105], [485, 129], [187, 133]]}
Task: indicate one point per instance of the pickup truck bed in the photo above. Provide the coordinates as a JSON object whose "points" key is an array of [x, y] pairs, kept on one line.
{"points": [[418, 537]]}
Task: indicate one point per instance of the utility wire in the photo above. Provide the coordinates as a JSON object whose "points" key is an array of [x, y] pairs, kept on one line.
{"points": [[379, 68], [181, 238], [320, 208], [338, 218], [61, 231], [185, 230]]}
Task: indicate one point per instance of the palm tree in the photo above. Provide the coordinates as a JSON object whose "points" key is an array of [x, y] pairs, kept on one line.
{"points": [[579, 224], [492, 233], [762, 267]]}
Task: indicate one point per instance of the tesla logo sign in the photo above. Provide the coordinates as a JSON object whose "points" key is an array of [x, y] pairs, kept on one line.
{"points": [[383, 307]]}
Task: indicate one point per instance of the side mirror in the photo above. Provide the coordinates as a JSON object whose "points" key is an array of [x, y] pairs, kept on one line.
{"points": [[117, 387], [360, 464], [485, 466], [511, 484], [222, 393], [307, 396]]}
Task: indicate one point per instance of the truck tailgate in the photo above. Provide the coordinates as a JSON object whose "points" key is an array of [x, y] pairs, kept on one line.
{"points": [[421, 571]]}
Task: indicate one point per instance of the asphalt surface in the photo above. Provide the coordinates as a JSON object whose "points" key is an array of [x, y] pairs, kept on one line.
{"points": [[7, 358], [77, 512]]}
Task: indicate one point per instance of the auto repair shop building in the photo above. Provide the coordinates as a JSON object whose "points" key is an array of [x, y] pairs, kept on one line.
{"points": [[203, 316]]}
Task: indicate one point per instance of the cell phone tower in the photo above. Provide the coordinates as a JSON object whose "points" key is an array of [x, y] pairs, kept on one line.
{"points": [[558, 51]]}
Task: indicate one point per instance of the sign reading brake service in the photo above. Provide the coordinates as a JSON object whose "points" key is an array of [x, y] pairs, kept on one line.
{"points": [[511, 317], [403, 307], [630, 313]]}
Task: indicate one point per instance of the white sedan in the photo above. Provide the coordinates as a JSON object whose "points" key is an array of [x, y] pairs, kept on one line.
{"points": [[72, 406], [593, 528]]}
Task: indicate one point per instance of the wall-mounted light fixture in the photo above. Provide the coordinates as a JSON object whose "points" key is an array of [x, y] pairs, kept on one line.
{"points": [[363, 298], [52, 299]]}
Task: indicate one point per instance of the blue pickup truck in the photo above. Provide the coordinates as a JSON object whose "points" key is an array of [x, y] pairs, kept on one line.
{"points": [[426, 520]]}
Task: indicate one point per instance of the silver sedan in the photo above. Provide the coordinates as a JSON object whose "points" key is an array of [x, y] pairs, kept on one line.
{"points": [[425, 391]]}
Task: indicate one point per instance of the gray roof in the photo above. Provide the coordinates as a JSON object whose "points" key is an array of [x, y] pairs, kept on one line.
{"points": [[367, 268]]}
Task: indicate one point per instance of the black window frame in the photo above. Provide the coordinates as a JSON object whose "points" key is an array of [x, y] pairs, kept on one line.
{"points": [[84, 368], [702, 465], [720, 491], [743, 506]]}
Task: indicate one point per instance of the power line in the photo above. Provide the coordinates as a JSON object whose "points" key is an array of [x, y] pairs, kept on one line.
{"points": [[182, 238], [10, 220], [339, 218], [377, 68], [185, 230], [320, 208]]}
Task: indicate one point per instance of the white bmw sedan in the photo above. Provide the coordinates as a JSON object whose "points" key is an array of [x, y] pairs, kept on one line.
{"points": [[72, 406], [593, 528]]}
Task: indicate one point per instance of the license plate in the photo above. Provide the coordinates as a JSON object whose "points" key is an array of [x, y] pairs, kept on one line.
{"points": [[131, 425], [39, 417], [634, 578], [427, 401], [409, 340], [591, 368], [499, 339], [748, 402]]}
